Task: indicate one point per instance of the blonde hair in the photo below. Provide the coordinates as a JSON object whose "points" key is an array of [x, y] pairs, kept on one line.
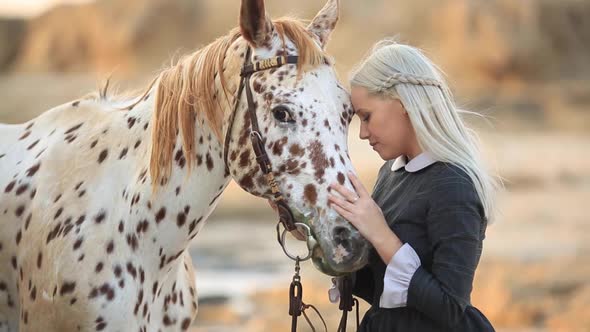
{"points": [[188, 89], [403, 72]]}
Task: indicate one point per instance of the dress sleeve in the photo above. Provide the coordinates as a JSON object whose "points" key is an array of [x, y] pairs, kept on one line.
{"points": [[397, 277], [455, 220]]}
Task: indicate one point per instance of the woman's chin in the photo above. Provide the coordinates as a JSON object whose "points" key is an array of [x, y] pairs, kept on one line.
{"points": [[386, 155], [379, 150]]}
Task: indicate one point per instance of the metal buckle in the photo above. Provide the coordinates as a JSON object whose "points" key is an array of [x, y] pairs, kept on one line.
{"points": [[311, 242]]}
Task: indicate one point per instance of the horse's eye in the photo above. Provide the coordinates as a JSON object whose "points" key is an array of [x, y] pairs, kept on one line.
{"points": [[282, 114]]}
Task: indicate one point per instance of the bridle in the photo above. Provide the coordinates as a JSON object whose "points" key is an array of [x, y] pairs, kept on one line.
{"points": [[285, 215], [296, 305]]}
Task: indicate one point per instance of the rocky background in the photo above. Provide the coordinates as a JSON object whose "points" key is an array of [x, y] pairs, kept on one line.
{"points": [[523, 64]]}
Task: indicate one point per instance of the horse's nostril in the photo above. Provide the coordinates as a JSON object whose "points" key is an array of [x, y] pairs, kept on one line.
{"points": [[342, 241], [341, 234], [345, 244]]}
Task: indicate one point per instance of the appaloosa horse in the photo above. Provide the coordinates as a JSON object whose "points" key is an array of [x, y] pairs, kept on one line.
{"points": [[99, 198]]}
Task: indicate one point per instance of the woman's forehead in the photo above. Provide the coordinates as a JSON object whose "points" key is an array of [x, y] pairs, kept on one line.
{"points": [[359, 92]]}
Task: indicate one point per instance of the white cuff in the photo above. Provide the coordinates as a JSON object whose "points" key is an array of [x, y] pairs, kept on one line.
{"points": [[397, 277]]}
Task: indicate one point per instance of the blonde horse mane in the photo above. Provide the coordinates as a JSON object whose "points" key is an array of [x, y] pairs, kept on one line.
{"points": [[187, 90]]}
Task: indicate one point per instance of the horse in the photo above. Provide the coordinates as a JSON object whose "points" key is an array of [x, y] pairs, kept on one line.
{"points": [[101, 196]]}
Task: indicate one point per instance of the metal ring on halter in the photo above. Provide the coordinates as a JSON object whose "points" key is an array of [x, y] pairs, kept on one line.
{"points": [[309, 250]]}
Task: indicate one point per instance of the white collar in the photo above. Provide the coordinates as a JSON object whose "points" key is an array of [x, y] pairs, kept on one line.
{"points": [[419, 162]]}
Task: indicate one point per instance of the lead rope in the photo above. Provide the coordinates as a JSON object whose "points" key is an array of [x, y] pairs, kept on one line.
{"points": [[347, 301], [296, 304]]}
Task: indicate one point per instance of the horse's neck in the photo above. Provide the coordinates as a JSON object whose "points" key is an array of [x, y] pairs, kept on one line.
{"points": [[179, 206]]}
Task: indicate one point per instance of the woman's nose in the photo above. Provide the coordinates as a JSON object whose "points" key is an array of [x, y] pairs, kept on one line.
{"points": [[363, 133]]}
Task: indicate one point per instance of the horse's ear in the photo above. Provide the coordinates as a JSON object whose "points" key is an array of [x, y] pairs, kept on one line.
{"points": [[254, 25], [325, 21]]}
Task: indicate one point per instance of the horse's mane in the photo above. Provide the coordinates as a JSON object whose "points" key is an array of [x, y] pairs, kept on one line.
{"points": [[187, 90]]}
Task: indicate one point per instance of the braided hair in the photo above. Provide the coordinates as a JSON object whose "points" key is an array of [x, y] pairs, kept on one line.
{"points": [[400, 78]]}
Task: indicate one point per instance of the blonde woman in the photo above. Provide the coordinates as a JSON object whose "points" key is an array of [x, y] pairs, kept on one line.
{"points": [[432, 201]]}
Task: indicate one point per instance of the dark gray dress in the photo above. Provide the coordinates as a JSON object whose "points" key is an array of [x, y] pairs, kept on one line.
{"points": [[437, 211]]}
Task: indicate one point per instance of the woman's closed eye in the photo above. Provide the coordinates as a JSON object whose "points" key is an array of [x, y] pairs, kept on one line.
{"points": [[363, 115]]}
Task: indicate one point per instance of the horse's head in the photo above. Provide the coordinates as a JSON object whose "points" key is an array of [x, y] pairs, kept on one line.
{"points": [[303, 115]]}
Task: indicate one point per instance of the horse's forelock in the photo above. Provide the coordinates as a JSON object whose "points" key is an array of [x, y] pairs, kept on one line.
{"points": [[310, 53]]}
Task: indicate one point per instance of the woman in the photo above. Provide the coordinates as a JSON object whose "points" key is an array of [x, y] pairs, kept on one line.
{"points": [[428, 213]]}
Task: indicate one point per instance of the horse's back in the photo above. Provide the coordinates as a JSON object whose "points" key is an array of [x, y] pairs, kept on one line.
{"points": [[8, 135], [63, 132], [55, 150], [37, 159]]}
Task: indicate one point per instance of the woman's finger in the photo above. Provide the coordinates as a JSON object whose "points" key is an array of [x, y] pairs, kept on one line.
{"points": [[344, 204], [358, 185], [345, 214], [345, 192]]}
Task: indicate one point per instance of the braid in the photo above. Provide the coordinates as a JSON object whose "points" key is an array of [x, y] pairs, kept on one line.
{"points": [[399, 78]]}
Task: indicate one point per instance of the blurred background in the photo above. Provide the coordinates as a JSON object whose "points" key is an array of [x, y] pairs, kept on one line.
{"points": [[523, 64]]}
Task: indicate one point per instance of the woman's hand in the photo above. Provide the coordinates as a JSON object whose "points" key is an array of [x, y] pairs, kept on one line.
{"points": [[362, 212], [358, 208]]}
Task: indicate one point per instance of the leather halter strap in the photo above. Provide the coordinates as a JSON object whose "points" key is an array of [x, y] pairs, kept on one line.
{"points": [[249, 68]]}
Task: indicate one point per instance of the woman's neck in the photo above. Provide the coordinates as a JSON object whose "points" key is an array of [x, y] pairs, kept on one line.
{"points": [[413, 150]]}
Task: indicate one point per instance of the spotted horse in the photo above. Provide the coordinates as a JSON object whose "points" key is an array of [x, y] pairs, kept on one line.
{"points": [[100, 197]]}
